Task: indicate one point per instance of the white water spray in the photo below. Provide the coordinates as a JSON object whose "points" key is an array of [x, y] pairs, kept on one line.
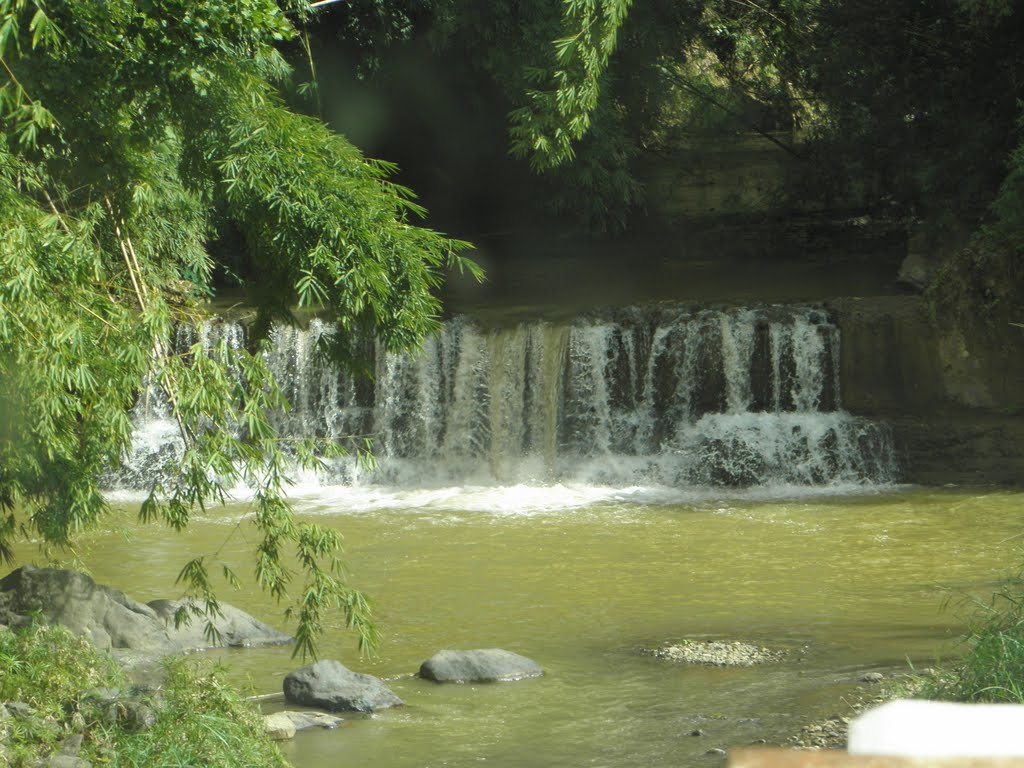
{"points": [[672, 398]]}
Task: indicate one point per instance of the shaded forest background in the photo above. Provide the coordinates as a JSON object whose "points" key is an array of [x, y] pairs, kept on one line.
{"points": [[908, 112]]}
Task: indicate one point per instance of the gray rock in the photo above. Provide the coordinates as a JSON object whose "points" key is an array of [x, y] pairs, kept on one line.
{"points": [[106, 617], [18, 709], [283, 725], [66, 761], [304, 720], [871, 677], [72, 745], [134, 710], [279, 726], [332, 686], [236, 628], [482, 665], [113, 621]]}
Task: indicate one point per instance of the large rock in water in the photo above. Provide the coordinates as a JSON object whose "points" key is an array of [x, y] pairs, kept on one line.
{"points": [[113, 621], [483, 665], [332, 686], [236, 628]]}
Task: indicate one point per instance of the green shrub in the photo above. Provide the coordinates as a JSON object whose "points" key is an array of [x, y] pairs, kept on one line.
{"points": [[199, 719], [203, 722], [992, 669]]}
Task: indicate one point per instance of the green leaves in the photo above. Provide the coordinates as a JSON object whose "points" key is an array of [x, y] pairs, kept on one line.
{"points": [[199, 719], [44, 32], [131, 135], [545, 128], [319, 219]]}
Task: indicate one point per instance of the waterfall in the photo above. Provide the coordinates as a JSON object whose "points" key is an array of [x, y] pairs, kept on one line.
{"points": [[671, 396]]}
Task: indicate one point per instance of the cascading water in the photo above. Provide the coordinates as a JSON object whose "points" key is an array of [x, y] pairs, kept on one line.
{"points": [[670, 397]]}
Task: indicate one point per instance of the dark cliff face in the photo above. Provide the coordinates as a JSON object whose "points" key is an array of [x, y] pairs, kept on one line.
{"points": [[953, 392]]}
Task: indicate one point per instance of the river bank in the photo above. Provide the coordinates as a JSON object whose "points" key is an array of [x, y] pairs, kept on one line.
{"points": [[65, 703]]}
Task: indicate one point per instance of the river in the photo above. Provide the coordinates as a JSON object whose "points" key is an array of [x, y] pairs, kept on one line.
{"points": [[581, 578]]}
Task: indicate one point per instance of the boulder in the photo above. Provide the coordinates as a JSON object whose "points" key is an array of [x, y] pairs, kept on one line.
{"points": [[113, 621], [104, 616], [332, 686], [135, 709], [482, 665], [236, 628]]}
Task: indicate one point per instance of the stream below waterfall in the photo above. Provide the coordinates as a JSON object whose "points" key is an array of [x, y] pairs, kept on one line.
{"points": [[577, 492], [580, 578]]}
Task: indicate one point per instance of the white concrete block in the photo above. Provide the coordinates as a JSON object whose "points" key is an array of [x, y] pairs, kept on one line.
{"points": [[915, 728]]}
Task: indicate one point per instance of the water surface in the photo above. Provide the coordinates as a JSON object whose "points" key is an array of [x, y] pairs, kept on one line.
{"points": [[581, 579]]}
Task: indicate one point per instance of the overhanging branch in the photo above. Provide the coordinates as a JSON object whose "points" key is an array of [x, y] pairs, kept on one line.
{"points": [[690, 88]]}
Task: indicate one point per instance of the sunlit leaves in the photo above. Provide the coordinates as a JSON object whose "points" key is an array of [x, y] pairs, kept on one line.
{"points": [[43, 31], [323, 220], [559, 114], [129, 136]]}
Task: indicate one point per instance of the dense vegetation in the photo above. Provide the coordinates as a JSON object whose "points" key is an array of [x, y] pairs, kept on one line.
{"points": [[135, 137], [57, 687], [992, 665], [907, 108]]}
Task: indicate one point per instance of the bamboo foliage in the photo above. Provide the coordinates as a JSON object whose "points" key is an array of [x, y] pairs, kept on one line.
{"points": [[132, 135], [559, 112]]}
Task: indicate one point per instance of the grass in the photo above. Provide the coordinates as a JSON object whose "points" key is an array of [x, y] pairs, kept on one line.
{"points": [[199, 719], [992, 668]]}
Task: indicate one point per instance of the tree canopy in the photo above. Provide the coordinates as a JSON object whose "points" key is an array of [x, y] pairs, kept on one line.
{"points": [[134, 136], [907, 108]]}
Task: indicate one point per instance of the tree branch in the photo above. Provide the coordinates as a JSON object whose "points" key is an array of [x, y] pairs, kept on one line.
{"points": [[687, 86]]}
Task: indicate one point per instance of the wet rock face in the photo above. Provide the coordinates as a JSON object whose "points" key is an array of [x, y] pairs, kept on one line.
{"points": [[483, 665], [113, 621], [332, 686]]}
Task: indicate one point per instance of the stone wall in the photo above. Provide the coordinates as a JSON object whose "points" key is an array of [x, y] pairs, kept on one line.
{"points": [[953, 396]]}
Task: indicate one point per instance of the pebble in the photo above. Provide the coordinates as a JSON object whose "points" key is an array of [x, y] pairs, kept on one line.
{"points": [[717, 654], [827, 734]]}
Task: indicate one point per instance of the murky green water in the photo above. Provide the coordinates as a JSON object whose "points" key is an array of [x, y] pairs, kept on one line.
{"points": [[849, 584]]}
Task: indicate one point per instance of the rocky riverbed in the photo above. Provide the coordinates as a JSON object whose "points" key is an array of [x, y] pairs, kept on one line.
{"points": [[717, 653], [831, 732]]}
